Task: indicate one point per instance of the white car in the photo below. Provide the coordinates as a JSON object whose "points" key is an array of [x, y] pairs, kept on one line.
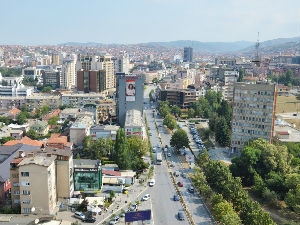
{"points": [[79, 215], [115, 220], [152, 183], [169, 154], [146, 197]]}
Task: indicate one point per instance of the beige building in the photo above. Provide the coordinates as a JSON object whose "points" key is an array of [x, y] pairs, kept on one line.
{"points": [[106, 111], [253, 113], [68, 74], [37, 163], [81, 128]]}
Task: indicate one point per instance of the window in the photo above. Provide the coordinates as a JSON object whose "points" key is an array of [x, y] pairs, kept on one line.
{"points": [[25, 174], [26, 210], [26, 192], [16, 192], [17, 201], [26, 202], [25, 183], [16, 184]]}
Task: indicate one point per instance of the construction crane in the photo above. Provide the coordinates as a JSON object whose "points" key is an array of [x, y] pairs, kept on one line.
{"points": [[257, 60]]}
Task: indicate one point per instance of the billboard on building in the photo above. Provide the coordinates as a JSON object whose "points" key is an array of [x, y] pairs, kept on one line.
{"points": [[130, 90]]}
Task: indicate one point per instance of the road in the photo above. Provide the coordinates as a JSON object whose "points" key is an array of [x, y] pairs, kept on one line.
{"points": [[164, 209]]}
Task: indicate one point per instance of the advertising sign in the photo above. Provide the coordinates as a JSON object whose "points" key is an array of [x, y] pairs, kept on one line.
{"points": [[138, 215], [85, 170], [130, 90]]}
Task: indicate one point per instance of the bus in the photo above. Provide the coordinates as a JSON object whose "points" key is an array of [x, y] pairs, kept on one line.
{"points": [[158, 158]]}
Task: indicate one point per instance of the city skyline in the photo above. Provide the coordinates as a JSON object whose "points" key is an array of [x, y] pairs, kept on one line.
{"points": [[131, 22]]}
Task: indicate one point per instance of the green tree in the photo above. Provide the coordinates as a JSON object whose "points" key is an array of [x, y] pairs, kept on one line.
{"points": [[29, 81], [241, 75], [6, 139], [179, 139], [53, 121], [32, 134], [298, 97], [4, 119], [45, 109], [170, 122], [222, 132], [164, 108], [87, 143], [292, 199], [37, 113], [191, 113], [47, 89], [137, 146], [155, 80], [292, 180], [21, 118], [176, 111], [121, 154]]}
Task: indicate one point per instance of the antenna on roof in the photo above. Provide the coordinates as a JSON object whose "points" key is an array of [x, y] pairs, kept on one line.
{"points": [[257, 58]]}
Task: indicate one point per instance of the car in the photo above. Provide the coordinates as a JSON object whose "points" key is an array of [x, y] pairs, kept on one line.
{"points": [[132, 207], [175, 198], [146, 197], [191, 189], [166, 146], [172, 165], [180, 184], [154, 150], [180, 215], [183, 175], [152, 183], [169, 154], [150, 134], [79, 215], [114, 220], [89, 219]]}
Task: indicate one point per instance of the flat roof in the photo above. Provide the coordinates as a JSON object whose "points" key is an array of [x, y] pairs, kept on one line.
{"points": [[134, 118]]}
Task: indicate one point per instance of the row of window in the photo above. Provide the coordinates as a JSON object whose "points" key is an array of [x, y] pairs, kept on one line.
{"points": [[246, 131], [253, 112]]}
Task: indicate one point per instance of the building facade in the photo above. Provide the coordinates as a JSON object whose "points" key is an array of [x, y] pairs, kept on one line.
{"points": [[188, 54], [253, 113], [91, 81], [181, 98], [51, 78]]}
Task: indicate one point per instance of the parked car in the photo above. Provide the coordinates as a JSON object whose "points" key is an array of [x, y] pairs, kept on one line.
{"points": [[152, 183], [180, 215], [114, 220], [146, 197], [176, 173], [169, 154], [183, 175], [191, 189], [89, 219], [79, 215], [133, 207], [175, 198], [180, 184]]}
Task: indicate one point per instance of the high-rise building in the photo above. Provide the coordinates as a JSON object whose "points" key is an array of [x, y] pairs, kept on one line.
{"points": [[51, 78], [68, 74], [253, 113], [55, 59], [130, 95], [122, 64], [91, 81], [188, 54], [103, 62]]}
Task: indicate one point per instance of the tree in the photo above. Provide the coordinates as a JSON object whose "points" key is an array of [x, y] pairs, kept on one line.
{"points": [[138, 146], [222, 132], [292, 199], [292, 180], [179, 139], [45, 109], [32, 134], [191, 113], [21, 118], [47, 89], [164, 108], [175, 110], [87, 143], [4, 119], [170, 122], [121, 154], [6, 139], [241, 75], [29, 81], [37, 113], [83, 206], [53, 121], [155, 80], [298, 97]]}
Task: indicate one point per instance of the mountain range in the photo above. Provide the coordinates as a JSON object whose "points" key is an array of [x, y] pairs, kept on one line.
{"points": [[214, 47]]}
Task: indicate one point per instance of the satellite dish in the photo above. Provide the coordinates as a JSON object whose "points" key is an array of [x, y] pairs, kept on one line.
{"points": [[32, 209]]}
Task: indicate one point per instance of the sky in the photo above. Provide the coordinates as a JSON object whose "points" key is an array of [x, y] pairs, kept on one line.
{"points": [[34, 22]]}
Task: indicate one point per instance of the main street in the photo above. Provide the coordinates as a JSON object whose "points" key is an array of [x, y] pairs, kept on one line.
{"points": [[164, 208]]}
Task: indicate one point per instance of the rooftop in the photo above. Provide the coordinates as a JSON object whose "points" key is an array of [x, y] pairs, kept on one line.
{"points": [[14, 111], [134, 118], [25, 140], [38, 160]]}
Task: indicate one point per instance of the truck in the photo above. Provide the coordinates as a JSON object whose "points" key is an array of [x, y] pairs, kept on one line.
{"points": [[158, 158]]}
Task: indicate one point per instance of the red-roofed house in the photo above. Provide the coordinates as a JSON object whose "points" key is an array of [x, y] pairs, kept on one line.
{"points": [[51, 114], [59, 141], [25, 140], [283, 134], [13, 113]]}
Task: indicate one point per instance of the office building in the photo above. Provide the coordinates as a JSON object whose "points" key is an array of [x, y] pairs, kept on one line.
{"points": [[13, 87], [130, 95], [91, 81], [51, 78], [253, 113], [188, 54], [182, 98], [87, 176], [32, 72]]}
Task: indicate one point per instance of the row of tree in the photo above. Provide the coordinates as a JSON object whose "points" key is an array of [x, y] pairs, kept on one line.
{"points": [[165, 111], [269, 170], [126, 152], [231, 204], [287, 79]]}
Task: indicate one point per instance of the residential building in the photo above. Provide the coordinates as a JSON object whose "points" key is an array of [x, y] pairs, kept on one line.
{"points": [[51, 114], [230, 79], [188, 54], [17, 134], [78, 100], [81, 128], [35, 179], [51, 78], [91, 81], [13, 87], [40, 100], [68, 74], [26, 141], [253, 113], [55, 59], [59, 141], [69, 113], [104, 131], [40, 127], [87, 176], [182, 98], [130, 95], [32, 72], [225, 61], [106, 111], [13, 113], [134, 124], [121, 64]]}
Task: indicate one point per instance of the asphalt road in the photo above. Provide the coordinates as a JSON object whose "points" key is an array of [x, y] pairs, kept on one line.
{"points": [[164, 208]]}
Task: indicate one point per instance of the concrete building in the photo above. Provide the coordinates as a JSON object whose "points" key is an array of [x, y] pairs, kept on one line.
{"points": [[107, 131], [40, 127], [51, 78], [253, 113], [230, 79], [55, 59], [81, 128], [13, 87], [181, 98], [134, 124], [225, 61], [106, 111], [78, 100], [68, 74], [32, 72], [130, 95], [121, 64], [188, 54], [91, 81]]}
